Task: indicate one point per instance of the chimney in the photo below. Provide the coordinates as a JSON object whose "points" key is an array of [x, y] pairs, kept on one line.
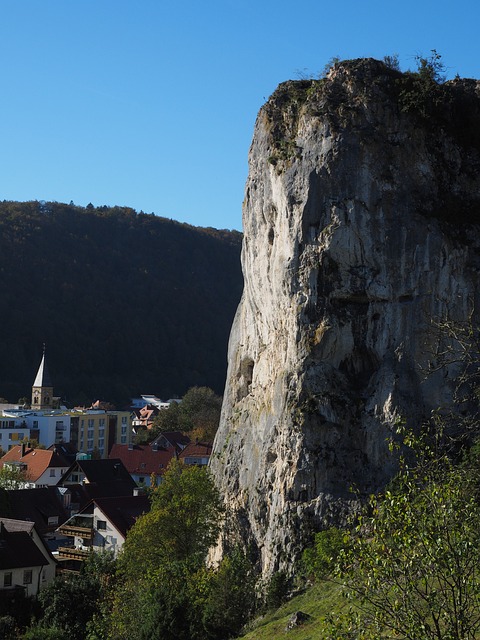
{"points": [[23, 450]]}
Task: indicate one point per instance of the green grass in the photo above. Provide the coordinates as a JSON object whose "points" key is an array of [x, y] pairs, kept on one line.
{"points": [[318, 601]]}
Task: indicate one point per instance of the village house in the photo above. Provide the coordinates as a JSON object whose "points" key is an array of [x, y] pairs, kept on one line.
{"points": [[101, 526], [25, 561], [42, 467], [197, 453]]}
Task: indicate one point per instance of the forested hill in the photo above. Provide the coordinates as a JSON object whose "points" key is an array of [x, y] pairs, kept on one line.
{"points": [[126, 302]]}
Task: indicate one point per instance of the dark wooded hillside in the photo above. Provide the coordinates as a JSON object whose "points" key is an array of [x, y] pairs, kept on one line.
{"points": [[126, 302]]}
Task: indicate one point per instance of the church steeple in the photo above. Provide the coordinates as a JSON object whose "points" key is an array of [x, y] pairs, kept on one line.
{"points": [[42, 390]]}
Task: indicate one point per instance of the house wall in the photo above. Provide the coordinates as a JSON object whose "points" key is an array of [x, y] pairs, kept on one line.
{"points": [[49, 478], [39, 578], [107, 537]]}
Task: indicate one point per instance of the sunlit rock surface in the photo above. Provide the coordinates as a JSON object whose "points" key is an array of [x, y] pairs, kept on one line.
{"points": [[359, 223]]}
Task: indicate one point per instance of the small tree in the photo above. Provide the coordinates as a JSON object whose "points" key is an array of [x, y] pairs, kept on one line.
{"points": [[412, 569], [12, 476], [320, 559], [421, 91]]}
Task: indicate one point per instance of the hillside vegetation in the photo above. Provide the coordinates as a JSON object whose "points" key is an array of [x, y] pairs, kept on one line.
{"points": [[126, 302]]}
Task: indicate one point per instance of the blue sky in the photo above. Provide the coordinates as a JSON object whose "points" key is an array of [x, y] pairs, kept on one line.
{"points": [[151, 103]]}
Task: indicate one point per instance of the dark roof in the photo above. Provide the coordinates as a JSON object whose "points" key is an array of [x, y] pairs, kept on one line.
{"points": [[200, 449], [173, 438], [23, 525], [18, 550], [123, 512], [67, 449], [143, 459], [104, 478], [35, 505]]}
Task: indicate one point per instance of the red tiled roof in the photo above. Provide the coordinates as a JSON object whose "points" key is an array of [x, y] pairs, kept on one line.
{"points": [[143, 459], [37, 460]]}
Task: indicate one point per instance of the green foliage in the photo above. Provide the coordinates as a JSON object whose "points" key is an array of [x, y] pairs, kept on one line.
{"points": [[421, 91], [198, 414], [92, 276], [186, 508], [8, 628], [166, 420], [319, 560], [392, 61], [74, 606], [12, 477], [68, 603], [412, 568], [40, 633], [277, 590], [231, 599], [161, 578]]}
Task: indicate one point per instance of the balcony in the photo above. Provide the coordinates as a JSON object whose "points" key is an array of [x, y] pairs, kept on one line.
{"points": [[79, 532], [72, 553], [78, 526]]}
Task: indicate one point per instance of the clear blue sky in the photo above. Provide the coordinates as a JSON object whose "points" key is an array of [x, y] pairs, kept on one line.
{"points": [[151, 103]]}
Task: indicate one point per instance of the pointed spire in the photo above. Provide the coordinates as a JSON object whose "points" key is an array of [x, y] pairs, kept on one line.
{"points": [[43, 377]]}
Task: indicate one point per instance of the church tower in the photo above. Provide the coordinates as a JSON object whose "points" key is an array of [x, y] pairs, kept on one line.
{"points": [[42, 390]]}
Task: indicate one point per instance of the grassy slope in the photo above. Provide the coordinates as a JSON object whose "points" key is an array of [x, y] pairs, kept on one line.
{"points": [[318, 602]]}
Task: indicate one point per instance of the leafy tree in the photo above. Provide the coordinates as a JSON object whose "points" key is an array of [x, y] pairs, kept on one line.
{"points": [[69, 604], [198, 414], [277, 590], [231, 598], [421, 91], [319, 560], [161, 568], [12, 477], [412, 568], [167, 420], [392, 61], [40, 633]]}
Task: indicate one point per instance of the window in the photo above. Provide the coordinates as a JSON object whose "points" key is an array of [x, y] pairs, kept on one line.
{"points": [[101, 422], [90, 423], [123, 440], [52, 473], [7, 579], [101, 525], [27, 576]]}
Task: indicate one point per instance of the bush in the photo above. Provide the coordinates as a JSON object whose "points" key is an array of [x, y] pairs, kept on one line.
{"points": [[319, 560]]}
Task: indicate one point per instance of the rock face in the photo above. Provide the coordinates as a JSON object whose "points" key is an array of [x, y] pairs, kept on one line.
{"points": [[359, 228]]}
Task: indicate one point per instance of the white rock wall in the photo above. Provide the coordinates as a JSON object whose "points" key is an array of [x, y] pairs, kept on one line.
{"points": [[343, 272]]}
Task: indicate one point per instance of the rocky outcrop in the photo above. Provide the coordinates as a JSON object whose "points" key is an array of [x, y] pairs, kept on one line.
{"points": [[359, 228]]}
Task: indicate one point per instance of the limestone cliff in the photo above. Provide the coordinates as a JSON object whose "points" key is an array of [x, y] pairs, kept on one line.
{"points": [[359, 228]]}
